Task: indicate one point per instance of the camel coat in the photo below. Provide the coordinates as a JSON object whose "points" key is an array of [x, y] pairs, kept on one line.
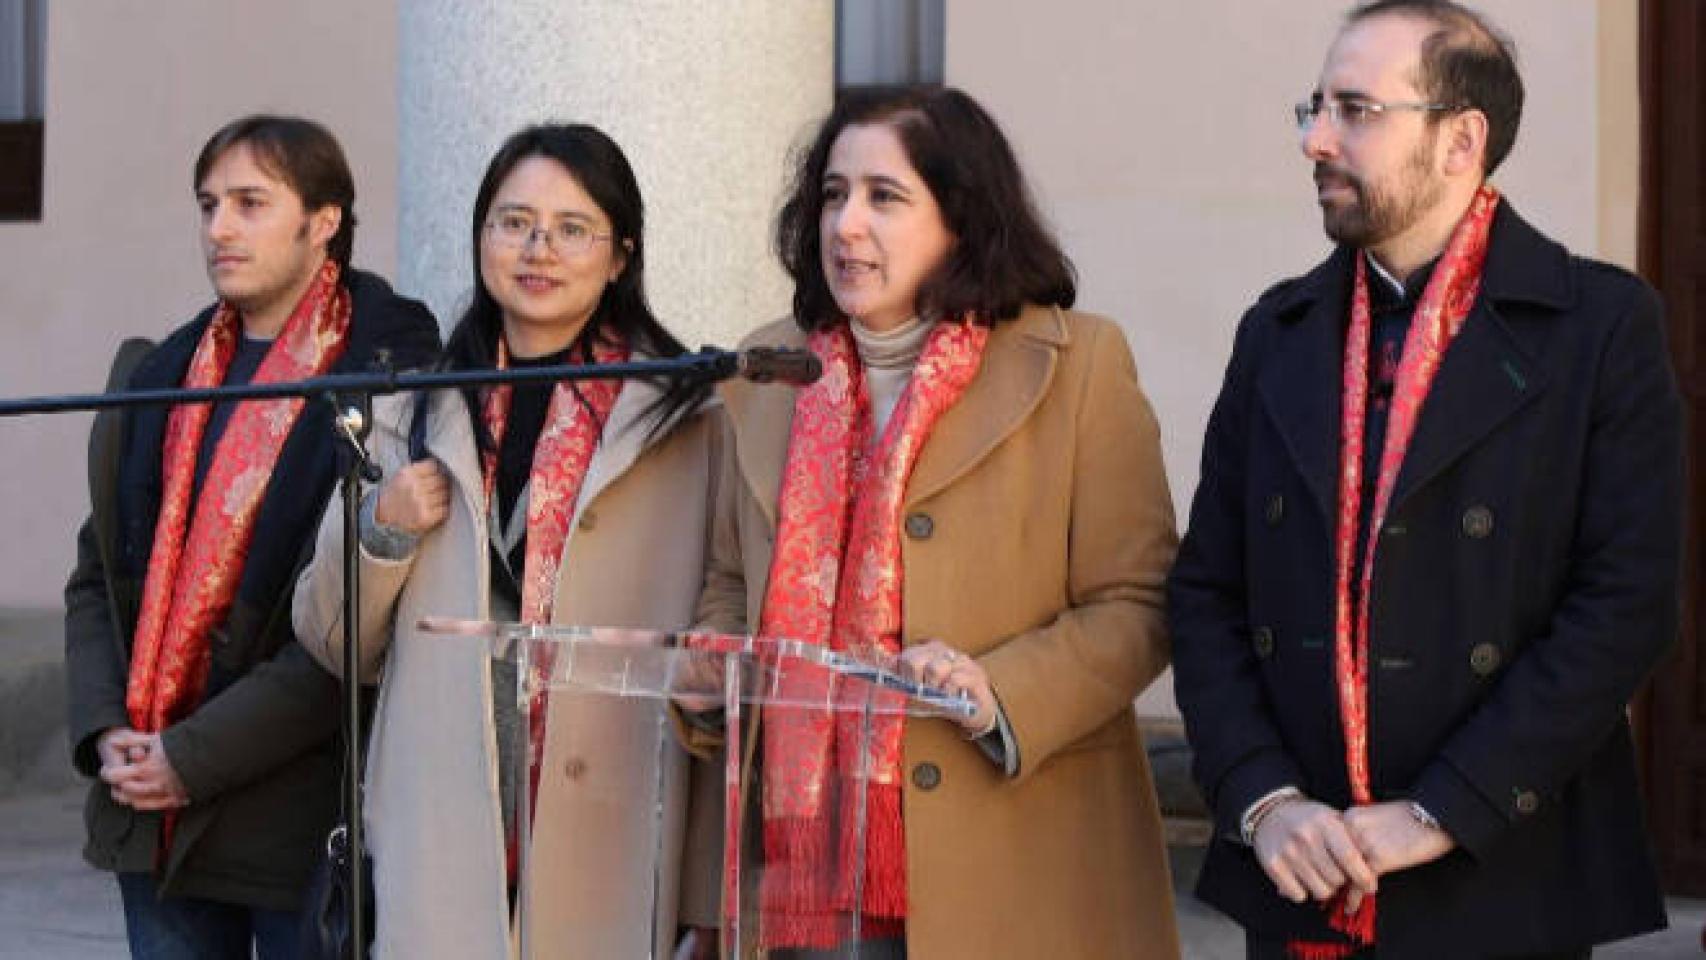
{"points": [[634, 557], [1037, 532]]}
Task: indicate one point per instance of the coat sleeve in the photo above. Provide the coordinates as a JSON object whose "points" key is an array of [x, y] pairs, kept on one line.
{"points": [[277, 711], [722, 601], [1063, 680], [1238, 754], [95, 672], [96, 668], [318, 605], [1569, 689]]}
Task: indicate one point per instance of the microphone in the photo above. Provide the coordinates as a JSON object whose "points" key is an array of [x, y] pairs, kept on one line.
{"points": [[792, 366]]}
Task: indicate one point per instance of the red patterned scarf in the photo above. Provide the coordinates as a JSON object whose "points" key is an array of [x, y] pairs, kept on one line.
{"points": [[1445, 304], [835, 580], [197, 559], [561, 457]]}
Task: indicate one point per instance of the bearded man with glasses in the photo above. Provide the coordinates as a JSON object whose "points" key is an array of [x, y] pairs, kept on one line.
{"points": [[1435, 548]]}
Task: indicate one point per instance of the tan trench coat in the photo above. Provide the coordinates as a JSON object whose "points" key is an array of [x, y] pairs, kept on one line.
{"points": [[634, 557], [1037, 536]]}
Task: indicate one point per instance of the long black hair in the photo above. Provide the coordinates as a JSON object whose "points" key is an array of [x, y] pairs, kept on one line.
{"points": [[601, 169], [1004, 255]]}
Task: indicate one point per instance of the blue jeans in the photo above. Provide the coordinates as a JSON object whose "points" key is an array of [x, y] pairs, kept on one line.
{"points": [[186, 928]]}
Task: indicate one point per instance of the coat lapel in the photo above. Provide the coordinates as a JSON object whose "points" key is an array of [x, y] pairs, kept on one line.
{"points": [[1017, 365], [627, 435], [1302, 384], [1483, 380], [1486, 375]]}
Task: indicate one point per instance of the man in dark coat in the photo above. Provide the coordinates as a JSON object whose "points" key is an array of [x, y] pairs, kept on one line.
{"points": [[1435, 547], [211, 734]]}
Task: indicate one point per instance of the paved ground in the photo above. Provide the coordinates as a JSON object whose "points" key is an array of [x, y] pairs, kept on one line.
{"points": [[52, 907]]}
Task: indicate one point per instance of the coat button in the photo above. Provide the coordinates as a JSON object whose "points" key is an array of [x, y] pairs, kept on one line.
{"points": [[1262, 639], [1527, 802], [926, 776], [919, 526], [1484, 659], [574, 768], [1276, 509], [1477, 522], [588, 520]]}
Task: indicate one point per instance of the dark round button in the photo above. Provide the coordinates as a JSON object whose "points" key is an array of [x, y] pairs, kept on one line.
{"points": [[1262, 639], [919, 526], [1484, 659], [574, 767], [588, 520], [1477, 522], [1276, 509], [1527, 802], [926, 776]]}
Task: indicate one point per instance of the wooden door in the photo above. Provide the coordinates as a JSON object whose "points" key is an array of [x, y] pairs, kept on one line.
{"points": [[1673, 258]]}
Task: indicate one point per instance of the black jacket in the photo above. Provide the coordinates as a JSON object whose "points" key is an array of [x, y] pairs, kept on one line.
{"points": [[259, 757], [1525, 583]]}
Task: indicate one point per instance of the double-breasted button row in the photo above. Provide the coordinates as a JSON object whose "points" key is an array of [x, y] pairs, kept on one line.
{"points": [[1478, 522], [1262, 641], [1484, 659], [919, 526], [926, 776]]}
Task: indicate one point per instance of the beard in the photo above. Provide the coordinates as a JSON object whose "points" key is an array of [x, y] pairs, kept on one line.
{"points": [[1381, 210]]}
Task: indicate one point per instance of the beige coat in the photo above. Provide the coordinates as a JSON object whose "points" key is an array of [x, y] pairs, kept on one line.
{"points": [[1037, 536], [634, 557]]}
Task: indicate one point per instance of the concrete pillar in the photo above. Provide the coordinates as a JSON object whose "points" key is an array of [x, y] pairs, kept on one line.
{"points": [[706, 99]]}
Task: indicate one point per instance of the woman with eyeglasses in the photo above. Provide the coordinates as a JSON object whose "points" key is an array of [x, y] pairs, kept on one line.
{"points": [[974, 488], [582, 503]]}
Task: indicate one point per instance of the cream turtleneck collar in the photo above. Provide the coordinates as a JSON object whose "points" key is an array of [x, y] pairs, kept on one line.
{"points": [[888, 357]]}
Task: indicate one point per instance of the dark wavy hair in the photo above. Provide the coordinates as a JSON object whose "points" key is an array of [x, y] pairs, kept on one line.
{"points": [[1003, 256], [304, 155], [1467, 63], [601, 169]]}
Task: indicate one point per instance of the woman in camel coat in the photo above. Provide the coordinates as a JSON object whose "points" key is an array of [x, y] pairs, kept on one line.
{"points": [[1033, 536]]}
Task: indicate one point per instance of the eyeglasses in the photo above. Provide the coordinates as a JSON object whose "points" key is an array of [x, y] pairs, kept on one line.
{"points": [[568, 238], [1351, 113]]}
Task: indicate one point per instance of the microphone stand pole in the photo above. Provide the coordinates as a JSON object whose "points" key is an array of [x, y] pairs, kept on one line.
{"points": [[351, 396]]}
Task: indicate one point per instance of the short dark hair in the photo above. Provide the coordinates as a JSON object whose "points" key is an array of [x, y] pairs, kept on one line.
{"points": [[1466, 62], [1003, 257], [304, 155]]}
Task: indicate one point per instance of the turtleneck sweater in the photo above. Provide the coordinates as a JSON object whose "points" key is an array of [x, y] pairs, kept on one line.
{"points": [[888, 357]]}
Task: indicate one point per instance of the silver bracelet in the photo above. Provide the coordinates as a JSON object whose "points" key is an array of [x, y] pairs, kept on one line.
{"points": [[1421, 815]]}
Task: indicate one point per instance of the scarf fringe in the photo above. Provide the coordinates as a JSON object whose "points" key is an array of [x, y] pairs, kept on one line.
{"points": [[794, 886]]}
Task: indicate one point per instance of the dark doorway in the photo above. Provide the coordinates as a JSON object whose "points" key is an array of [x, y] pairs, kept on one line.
{"points": [[1673, 258]]}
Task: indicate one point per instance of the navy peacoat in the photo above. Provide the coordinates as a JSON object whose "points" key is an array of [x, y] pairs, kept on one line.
{"points": [[1525, 583]]}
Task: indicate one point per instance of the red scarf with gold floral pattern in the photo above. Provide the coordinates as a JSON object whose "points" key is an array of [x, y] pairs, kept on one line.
{"points": [[561, 457], [1440, 314], [835, 580], [197, 560]]}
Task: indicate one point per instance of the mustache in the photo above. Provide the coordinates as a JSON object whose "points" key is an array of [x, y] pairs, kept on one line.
{"points": [[1327, 173]]}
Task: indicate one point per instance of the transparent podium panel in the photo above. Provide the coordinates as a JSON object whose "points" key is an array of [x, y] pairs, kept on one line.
{"points": [[812, 850]]}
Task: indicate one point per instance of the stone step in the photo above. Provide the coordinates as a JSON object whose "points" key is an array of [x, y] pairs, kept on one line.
{"points": [[33, 757]]}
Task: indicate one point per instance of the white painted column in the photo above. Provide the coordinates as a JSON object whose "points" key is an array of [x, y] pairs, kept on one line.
{"points": [[706, 99]]}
